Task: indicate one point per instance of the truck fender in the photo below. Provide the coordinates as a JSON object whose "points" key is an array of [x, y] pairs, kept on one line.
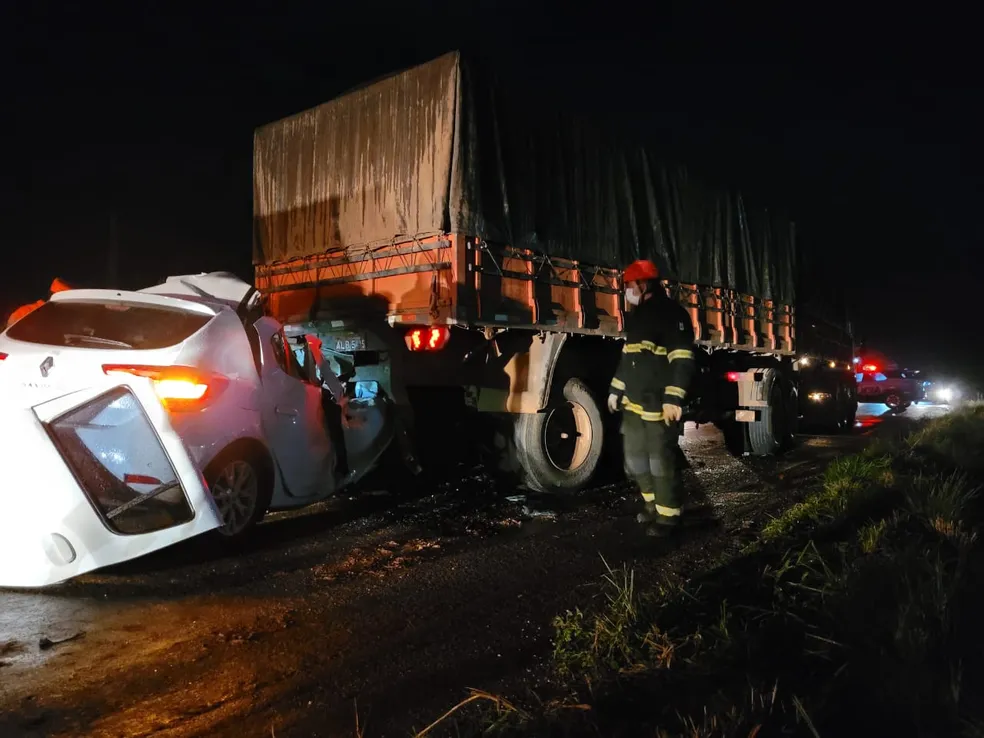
{"points": [[519, 379]]}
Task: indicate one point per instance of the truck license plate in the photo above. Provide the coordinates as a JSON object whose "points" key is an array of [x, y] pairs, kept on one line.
{"points": [[350, 344]]}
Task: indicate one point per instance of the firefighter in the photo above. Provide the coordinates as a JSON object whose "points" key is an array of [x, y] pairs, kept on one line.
{"points": [[57, 285], [650, 387]]}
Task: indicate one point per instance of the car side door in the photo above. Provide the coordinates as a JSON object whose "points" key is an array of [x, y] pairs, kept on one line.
{"points": [[292, 418]]}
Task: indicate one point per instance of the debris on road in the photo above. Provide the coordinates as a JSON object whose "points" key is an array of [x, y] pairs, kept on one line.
{"points": [[9, 648], [533, 513], [46, 643]]}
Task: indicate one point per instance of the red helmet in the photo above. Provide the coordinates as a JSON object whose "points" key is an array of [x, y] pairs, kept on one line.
{"points": [[639, 271]]}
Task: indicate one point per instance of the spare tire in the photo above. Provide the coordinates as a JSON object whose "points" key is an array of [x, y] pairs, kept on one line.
{"points": [[559, 448]]}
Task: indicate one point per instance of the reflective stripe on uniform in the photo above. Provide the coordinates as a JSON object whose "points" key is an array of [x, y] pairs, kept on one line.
{"points": [[676, 392], [680, 354], [648, 497], [669, 512], [618, 383], [640, 411], [638, 348]]}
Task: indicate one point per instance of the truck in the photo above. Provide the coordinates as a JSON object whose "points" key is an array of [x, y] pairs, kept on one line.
{"points": [[459, 250]]}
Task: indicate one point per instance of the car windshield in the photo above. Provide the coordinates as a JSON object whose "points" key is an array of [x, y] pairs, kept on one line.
{"points": [[107, 325]]}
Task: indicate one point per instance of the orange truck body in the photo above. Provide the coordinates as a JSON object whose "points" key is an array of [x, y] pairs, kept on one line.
{"points": [[455, 279]]}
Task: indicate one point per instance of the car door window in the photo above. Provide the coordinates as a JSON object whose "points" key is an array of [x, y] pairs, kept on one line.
{"points": [[279, 353], [254, 347]]}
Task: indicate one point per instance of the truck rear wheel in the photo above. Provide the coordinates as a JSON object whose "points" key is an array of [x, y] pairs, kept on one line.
{"points": [[559, 449], [774, 430]]}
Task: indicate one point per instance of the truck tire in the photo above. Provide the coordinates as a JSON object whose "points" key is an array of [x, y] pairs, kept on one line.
{"points": [[844, 418], [774, 431], [851, 419], [559, 449]]}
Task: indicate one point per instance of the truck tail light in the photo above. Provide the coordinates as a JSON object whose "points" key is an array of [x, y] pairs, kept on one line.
{"points": [[734, 376], [179, 388], [433, 338]]}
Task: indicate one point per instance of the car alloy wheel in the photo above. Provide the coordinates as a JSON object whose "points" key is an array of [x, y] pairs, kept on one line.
{"points": [[236, 491]]}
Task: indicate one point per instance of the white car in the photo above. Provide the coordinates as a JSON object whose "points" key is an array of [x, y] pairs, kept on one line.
{"points": [[134, 420]]}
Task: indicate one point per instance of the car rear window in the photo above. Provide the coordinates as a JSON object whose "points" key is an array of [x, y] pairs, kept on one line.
{"points": [[107, 325]]}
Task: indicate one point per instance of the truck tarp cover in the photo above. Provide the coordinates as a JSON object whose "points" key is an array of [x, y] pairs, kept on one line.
{"points": [[438, 148]]}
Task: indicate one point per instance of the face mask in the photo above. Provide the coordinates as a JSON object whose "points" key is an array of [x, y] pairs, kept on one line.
{"points": [[632, 295]]}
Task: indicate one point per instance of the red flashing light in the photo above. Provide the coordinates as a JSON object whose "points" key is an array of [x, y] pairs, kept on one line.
{"points": [[869, 367], [734, 376], [433, 338], [178, 387]]}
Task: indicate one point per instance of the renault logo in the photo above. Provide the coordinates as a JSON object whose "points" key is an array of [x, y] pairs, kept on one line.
{"points": [[46, 365]]}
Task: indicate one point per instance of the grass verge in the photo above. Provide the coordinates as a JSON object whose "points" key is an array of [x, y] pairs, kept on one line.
{"points": [[856, 612]]}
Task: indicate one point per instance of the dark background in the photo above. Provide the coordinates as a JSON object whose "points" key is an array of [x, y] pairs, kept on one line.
{"points": [[864, 124]]}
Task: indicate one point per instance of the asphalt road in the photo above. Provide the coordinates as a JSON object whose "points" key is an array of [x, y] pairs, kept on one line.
{"points": [[383, 607]]}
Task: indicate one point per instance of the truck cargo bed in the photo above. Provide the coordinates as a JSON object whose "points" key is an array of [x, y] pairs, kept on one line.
{"points": [[453, 279], [443, 149]]}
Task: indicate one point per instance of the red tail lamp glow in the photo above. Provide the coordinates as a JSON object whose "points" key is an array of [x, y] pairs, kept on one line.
{"points": [[178, 387], [433, 338], [734, 376], [141, 479], [2, 356], [869, 367]]}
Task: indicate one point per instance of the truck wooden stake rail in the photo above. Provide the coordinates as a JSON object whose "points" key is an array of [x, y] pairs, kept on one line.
{"points": [[444, 239]]}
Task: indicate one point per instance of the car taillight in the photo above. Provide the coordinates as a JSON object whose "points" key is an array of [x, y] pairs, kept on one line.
{"points": [[2, 356], [734, 376], [141, 479], [179, 388], [433, 338]]}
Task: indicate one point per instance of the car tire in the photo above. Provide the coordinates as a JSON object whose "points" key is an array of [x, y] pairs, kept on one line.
{"points": [[241, 483], [542, 438]]}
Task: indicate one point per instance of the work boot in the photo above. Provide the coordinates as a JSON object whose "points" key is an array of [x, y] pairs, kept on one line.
{"points": [[648, 513], [663, 526], [658, 526]]}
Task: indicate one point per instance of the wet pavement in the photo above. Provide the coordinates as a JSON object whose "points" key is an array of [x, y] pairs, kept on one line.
{"points": [[385, 607]]}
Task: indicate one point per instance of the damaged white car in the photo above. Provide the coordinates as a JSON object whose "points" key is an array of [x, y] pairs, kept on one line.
{"points": [[130, 421]]}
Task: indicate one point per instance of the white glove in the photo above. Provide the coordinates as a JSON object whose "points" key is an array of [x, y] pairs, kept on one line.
{"points": [[613, 403]]}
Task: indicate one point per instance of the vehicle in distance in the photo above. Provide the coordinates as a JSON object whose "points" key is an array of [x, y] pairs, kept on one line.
{"points": [[154, 416], [881, 380], [942, 391]]}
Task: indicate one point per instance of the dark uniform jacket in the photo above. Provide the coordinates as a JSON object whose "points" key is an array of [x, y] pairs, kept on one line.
{"points": [[657, 362]]}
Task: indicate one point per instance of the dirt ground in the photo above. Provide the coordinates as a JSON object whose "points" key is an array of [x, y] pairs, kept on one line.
{"points": [[386, 607]]}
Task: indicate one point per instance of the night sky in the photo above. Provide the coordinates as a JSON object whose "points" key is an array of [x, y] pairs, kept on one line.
{"points": [[864, 126]]}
